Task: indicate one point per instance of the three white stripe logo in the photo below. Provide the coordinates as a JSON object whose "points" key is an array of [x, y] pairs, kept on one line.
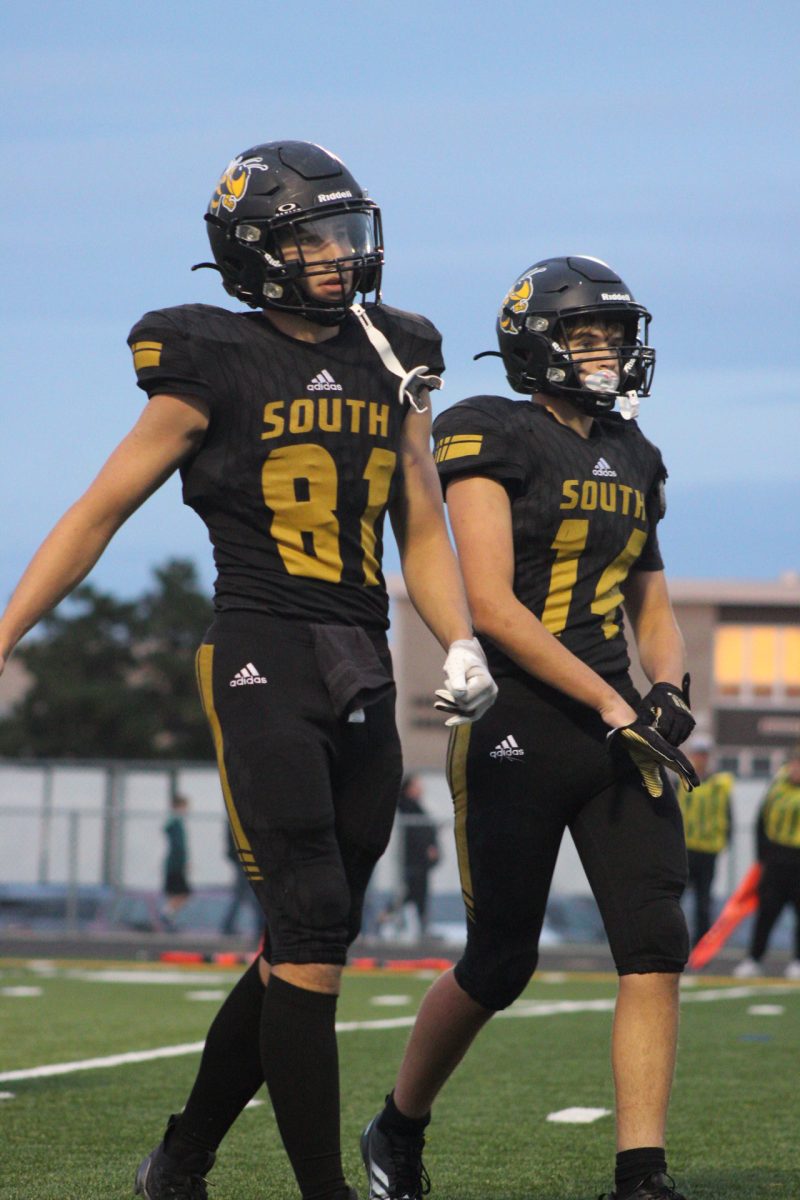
{"points": [[248, 675], [508, 749], [324, 382]]}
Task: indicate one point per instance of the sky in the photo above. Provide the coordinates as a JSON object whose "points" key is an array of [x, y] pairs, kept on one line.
{"points": [[661, 138]]}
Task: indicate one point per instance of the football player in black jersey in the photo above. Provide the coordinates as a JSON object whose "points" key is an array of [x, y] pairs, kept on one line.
{"points": [[554, 504], [296, 427]]}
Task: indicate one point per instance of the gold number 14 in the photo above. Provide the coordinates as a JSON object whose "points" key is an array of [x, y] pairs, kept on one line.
{"points": [[569, 544]]}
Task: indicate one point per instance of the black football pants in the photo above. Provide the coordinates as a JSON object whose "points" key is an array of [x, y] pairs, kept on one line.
{"points": [[535, 765], [310, 796]]}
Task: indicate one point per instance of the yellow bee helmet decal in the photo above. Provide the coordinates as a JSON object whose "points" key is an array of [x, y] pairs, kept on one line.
{"points": [[233, 182], [516, 301]]}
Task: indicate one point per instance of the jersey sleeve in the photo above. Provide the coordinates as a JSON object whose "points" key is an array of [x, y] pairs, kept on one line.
{"points": [[431, 349], [471, 439], [415, 340], [163, 359], [655, 506]]}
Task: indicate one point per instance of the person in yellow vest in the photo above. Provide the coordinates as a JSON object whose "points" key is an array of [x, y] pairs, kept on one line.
{"points": [[778, 842], [707, 825]]}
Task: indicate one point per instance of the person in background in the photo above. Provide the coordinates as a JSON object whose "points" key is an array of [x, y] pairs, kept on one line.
{"points": [[419, 854], [176, 864], [778, 850], [242, 895], [707, 823]]}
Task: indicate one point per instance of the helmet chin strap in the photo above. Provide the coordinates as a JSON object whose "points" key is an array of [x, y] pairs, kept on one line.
{"points": [[606, 383], [629, 405], [412, 382]]}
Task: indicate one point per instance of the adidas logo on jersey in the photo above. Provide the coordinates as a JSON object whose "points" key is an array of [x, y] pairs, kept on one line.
{"points": [[508, 749], [248, 675], [601, 467], [324, 382]]}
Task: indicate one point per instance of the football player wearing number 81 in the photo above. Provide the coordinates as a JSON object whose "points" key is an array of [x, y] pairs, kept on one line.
{"points": [[554, 504], [296, 427]]}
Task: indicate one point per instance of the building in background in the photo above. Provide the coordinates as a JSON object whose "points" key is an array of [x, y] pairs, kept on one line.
{"points": [[743, 645]]}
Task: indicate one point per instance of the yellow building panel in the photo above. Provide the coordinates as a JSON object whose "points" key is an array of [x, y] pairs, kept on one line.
{"points": [[791, 658], [763, 655], [729, 656]]}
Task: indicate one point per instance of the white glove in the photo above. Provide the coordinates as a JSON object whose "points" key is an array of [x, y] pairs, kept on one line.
{"points": [[469, 688]]}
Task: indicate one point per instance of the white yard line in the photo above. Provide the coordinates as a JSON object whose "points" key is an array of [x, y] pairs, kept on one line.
{"points": [[93, 1064], [522, 1008]]}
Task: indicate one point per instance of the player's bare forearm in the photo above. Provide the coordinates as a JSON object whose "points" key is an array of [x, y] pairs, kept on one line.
{"points": [[521, 636], [430, 569], [658, 638], [429, 564], [435, 588], [163, 436], [64, 558]]}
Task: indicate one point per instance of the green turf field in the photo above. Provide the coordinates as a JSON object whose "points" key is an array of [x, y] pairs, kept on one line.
{"points": [[78, 1135]]}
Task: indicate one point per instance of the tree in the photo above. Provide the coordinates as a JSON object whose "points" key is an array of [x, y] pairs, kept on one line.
{"points": [[115, 679], [172, 620]]}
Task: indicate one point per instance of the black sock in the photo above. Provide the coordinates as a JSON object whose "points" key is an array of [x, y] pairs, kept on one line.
{"points": [[392, 1120], [301, 1066], [229, 1075], [635, 1165]]}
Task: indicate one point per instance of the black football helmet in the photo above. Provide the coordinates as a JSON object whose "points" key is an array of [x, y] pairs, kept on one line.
{"points": [[293, 194], [536, 314]]}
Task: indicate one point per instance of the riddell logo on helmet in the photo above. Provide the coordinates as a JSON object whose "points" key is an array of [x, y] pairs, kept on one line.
{"points": [[323, 196], [614, 296]]}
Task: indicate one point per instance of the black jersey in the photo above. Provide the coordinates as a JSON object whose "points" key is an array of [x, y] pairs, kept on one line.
{"points": [[301, 456], [584, 513]]}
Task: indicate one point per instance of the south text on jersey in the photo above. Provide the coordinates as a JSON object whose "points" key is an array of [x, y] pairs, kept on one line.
{"points": [[330, 414], [591, 494]]}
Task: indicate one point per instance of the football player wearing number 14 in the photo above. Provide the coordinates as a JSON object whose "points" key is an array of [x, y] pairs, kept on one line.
{"points": [[554, 504], [296, 428]]}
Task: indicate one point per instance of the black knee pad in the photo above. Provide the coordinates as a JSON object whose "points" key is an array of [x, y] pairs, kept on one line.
{"points": [[317, 896], [494, 978], [656, 939]]}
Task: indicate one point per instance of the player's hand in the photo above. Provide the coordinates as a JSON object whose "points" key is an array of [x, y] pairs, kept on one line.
{"points": [[469, 688], [666, 708], [650, 751]]}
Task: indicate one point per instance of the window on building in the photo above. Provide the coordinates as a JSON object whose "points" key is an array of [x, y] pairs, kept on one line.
{"points": [[728, 762], [757, 661]]}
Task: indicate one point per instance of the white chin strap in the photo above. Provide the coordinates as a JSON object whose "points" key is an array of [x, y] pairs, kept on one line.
{"points": [[629, 405], [412, 382]]}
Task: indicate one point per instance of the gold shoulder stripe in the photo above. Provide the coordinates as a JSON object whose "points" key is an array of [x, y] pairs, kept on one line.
{"points": [[146, 354], [458, 446]]}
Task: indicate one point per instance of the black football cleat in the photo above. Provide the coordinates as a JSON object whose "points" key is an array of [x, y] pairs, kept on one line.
{"points": [[654, 1187], [394, 1166], [160, 1177]]}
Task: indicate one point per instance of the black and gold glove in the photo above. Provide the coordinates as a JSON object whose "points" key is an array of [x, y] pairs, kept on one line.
{"points": [[666, 708], [650, 751]]}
